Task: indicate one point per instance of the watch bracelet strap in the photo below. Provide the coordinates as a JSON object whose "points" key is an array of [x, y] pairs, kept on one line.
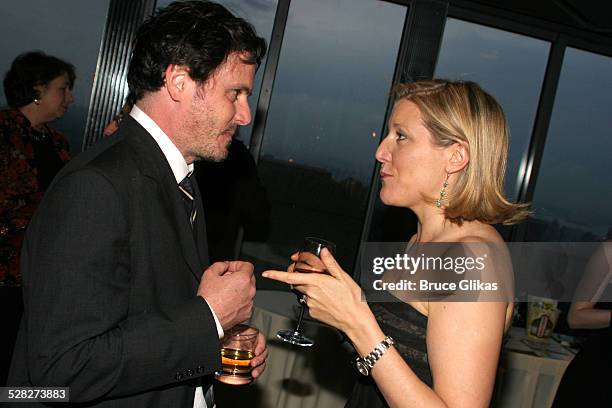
{"points": [[378, 351]]}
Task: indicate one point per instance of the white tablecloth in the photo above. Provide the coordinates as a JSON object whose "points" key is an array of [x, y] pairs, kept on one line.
{"points": [[527, 377]]}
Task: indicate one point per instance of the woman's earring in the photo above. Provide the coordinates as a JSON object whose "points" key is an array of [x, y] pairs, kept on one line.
{"points": [[442, 192], [37, 101]]}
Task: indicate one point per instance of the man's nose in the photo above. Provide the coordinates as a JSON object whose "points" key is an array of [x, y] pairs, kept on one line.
{"points": [[243, 113]]}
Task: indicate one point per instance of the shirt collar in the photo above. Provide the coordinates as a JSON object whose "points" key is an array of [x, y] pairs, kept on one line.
{"points": [[180, 168]]}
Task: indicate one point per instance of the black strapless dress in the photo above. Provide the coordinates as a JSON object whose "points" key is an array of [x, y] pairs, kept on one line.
{"points": [[408, 328]]}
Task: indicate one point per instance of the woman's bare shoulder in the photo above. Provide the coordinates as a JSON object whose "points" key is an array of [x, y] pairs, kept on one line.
{"points": [[478, 232]]}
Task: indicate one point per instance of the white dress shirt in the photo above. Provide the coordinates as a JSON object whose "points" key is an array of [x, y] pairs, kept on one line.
{"points": [[180, 169]]}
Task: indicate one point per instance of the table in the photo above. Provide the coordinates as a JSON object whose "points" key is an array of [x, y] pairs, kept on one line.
{"points": [[528, 376], [323, 376]]}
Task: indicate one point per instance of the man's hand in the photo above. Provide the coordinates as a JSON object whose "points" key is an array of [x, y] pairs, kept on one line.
{"points": [[261, 355], [229, 289]]}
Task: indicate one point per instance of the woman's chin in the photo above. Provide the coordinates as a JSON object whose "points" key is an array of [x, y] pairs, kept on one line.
{"points": [[386, 200], [394, 200]]}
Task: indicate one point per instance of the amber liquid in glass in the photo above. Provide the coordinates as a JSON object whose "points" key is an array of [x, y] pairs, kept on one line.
{"points": [[236, 362]]}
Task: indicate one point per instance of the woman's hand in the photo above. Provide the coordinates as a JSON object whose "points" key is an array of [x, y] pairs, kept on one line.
{"points": [[333, 298]]}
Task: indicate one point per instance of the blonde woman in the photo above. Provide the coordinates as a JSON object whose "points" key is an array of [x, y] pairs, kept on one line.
{"points": [[444, 158]]}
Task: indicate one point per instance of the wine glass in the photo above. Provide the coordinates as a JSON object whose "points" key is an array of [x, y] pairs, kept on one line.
{"points": [[308, 262]]}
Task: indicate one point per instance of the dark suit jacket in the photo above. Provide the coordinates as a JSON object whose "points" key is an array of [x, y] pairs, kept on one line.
{"points": [[111, 272]]}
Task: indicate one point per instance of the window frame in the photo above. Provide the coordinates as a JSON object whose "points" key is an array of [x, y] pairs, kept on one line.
{"points": [[419, 47]]}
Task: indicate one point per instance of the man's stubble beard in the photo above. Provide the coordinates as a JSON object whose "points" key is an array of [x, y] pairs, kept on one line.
{"points": [[205, 147]]}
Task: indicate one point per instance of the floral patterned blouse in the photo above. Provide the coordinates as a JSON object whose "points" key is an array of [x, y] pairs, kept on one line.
{"points": [[20, 189]]}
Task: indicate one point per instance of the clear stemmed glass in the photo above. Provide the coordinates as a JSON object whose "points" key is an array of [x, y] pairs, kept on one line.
{"points": [[308, 262]]}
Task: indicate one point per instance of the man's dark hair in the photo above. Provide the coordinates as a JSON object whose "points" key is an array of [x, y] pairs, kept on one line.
{"points": [[197, 34], [30, 70]]}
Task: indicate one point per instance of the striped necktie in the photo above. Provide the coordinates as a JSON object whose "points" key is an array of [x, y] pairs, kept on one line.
{"points": [[188, 191]]}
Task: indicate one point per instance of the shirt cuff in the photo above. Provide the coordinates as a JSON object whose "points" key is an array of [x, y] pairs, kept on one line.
{"points": [[217, 322]]}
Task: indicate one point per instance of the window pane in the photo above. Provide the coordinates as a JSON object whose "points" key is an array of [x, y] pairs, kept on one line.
{"points": [[67, 29], [260, 13], [326, 112], [509, 66], [573, 195]]}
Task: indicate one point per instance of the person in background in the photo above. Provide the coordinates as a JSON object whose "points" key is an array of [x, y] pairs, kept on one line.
{"points": [[444, 158], [121, 303], [38, 89], [238, 201], [585, 381], [112, 126]]}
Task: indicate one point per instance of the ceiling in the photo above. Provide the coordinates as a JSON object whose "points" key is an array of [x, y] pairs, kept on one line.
{"points": [[590, 16]]}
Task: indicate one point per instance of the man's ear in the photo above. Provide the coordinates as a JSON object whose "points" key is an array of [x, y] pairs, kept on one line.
{"points": [[175, 81], [459, 157]]}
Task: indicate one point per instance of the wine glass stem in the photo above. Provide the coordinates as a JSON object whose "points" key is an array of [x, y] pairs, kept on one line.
{"points": [[299, 323]]}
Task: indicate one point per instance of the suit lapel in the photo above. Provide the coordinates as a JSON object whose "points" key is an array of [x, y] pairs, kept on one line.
{"points": [[174, 204], [154, 165]]}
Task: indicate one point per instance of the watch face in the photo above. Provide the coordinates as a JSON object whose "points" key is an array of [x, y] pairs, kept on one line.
{"points": [[362, 368]]}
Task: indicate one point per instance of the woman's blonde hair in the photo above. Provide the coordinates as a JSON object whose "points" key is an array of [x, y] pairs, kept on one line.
{"points": [[461, 112]]}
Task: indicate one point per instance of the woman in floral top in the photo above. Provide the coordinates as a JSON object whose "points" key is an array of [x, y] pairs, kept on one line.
{"points": [[38, 89]]}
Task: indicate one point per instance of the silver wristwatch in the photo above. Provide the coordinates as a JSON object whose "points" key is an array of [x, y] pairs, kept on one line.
{"points": [[364, 365]]}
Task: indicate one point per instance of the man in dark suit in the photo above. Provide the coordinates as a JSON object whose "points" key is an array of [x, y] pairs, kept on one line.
{"points": [[121, 304]]}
